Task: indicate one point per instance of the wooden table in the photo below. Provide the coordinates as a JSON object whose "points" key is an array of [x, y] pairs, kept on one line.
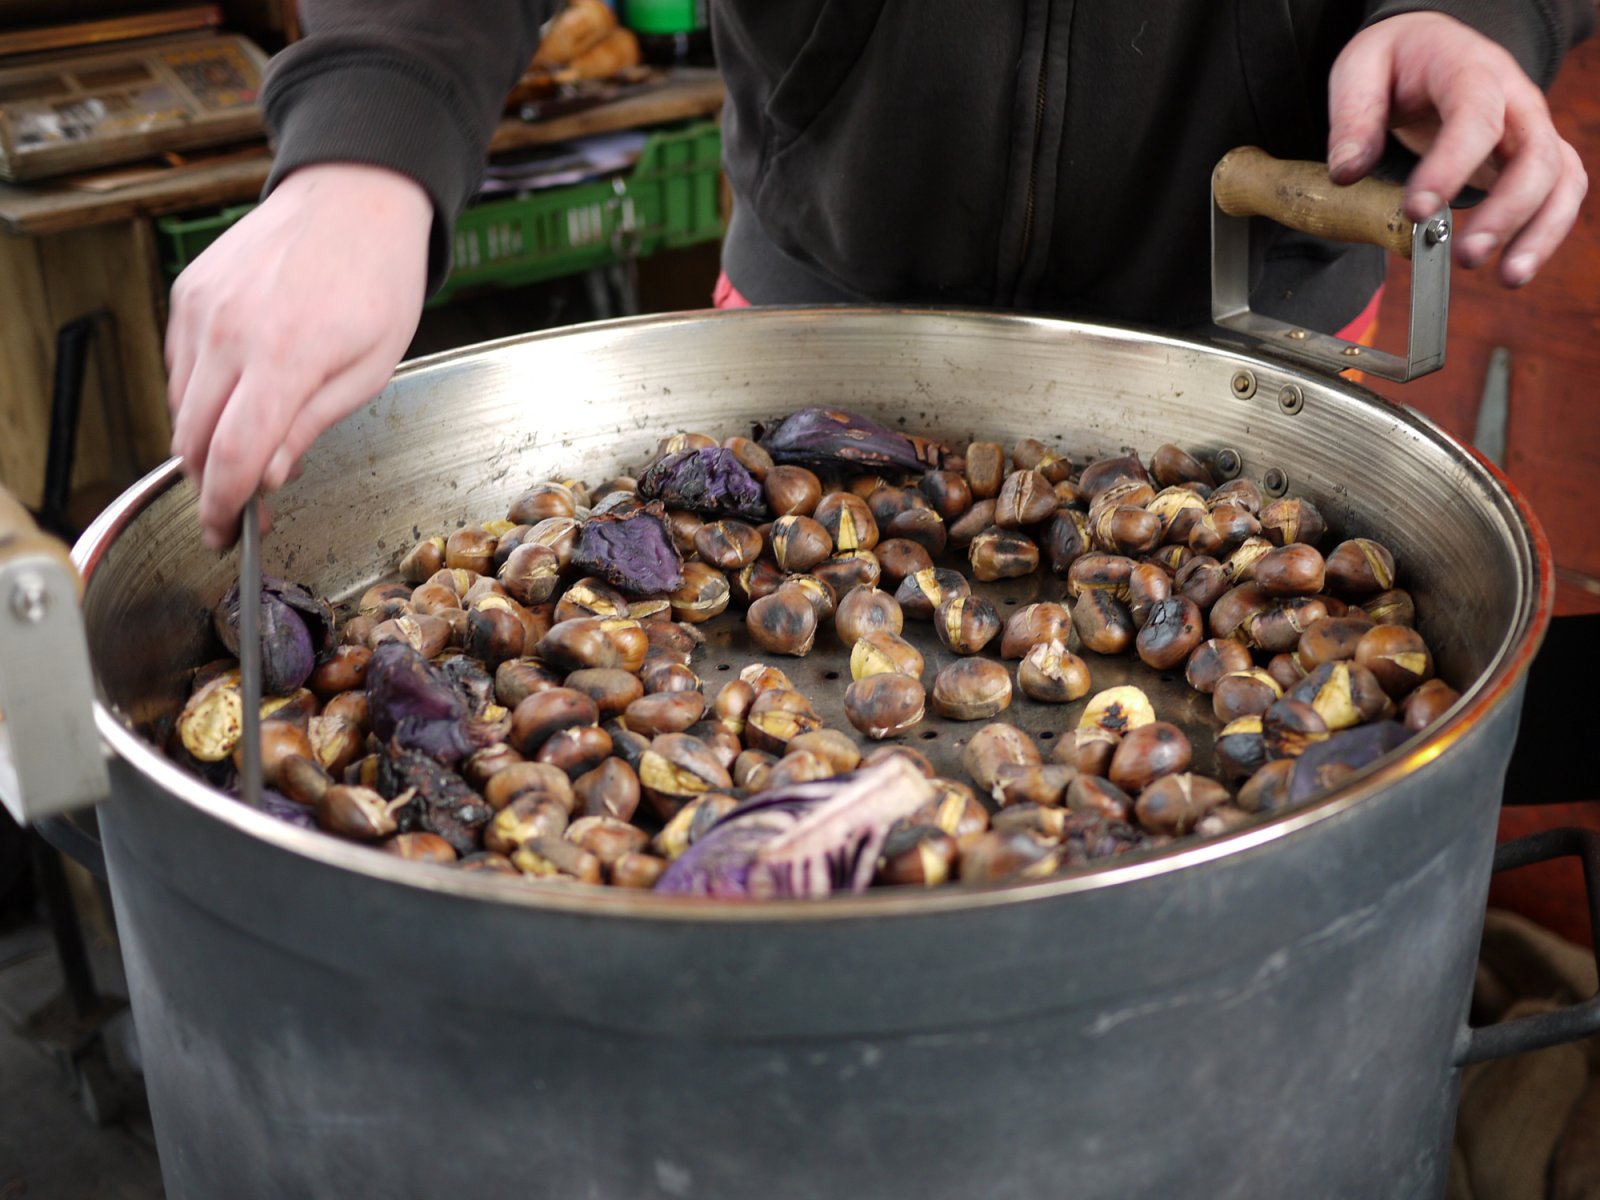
{"points": [[78, 246]]}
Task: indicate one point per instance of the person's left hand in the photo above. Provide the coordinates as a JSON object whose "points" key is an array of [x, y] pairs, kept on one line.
{"points": [[1465, 105]]}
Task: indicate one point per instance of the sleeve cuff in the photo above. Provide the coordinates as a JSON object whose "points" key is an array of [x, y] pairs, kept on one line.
{"points": [[385, 114]]}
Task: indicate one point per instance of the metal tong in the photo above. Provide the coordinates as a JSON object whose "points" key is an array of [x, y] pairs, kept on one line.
{"points": [[250, 653]]}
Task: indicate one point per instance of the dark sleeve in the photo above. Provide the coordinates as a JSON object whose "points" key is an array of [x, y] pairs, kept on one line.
{"points": [[412, 85], [1538, 33]]}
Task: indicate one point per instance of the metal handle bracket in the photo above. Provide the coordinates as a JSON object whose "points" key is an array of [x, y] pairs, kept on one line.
{"points": [[50, 755], [1565, 1024], [1292, 201]]}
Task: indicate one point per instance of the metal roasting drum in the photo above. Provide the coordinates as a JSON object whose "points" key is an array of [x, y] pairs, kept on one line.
{"points": [[1279, 1011]]}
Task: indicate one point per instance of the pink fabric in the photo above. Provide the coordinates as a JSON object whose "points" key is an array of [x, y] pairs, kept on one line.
{"points": [[725, 295]]}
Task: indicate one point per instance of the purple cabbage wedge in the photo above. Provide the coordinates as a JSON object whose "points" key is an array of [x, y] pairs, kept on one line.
{"points": [[1330, 763], [632, 552], [414, 707], [832, 436], [295, 627], [710, 481], [803, 841]]}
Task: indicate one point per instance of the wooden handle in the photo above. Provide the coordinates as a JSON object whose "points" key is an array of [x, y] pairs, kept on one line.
{"points": [[1249, 182], [20, 537]]}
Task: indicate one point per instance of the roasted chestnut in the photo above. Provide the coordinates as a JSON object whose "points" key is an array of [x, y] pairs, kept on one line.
{"points": [[971, 523], [1343, 693], [1033, 624], [1214, 658], [1240, 566], [866, 610], [822, 598], [1042, 785], [899, 559], [1099, 796], [1397, 656], [662, 674], [919, 595], [1360, 567], [1148, 752], [884, 705], [1288, 727], [607, 838], [609, 790], [848, 521], [750, 455], [423, 560], [997, 856], [760, 578], [728, 545], [1050, 674], [1087, 750], [947, 492], [1171, 465], [921, 855], [676, 769], [1103, 622], [523, 819], [557, 858], [518, 678], [1223, 529], [778, 715], [428, 636], [542, 714], [533, 781], [1002, 554], [986, 469], [664, 712], [558, 533], [1025, 498], [704, 593], [832, 747], [1267, 791], [791, 490], [1124, 529], [1066, 539], [1179, 509], [470, 549], [1286, 669], [1330, 640], [1174, 804], [541, 501], [1247, 693], [1240, 748], [1202, 579], [971, 690], [420, 847], [683, 527], [920, 525], [1289, 519], [1174, 628], [799, 543], [595, 642], [1243, 492], [1277, 627], [996, 745], [1101, 572], [783, 623], [883, 653], [1394, 607], [1292, 570], [853, 568], [1427, 704], [1148, 586], [954, 809], [965, 624], [1117, 710], [530, 573], [1103, 473]]}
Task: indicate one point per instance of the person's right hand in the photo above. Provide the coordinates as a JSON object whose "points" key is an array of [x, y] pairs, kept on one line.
{"points": [[293, 319]]}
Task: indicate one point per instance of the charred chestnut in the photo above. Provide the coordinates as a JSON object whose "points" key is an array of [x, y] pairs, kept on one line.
{"points": [[1101, 797], [1289, 727], [1066, 538], [556, 858], [955, 809], [1343, 693], [1099, 571], [1214, 658], [545, 713], [420, 847], [1267, 791], [1174, 628], [919, 595], [1277, 627], [1042, 785], [751, 583], [1241, 749], [1103, 622], [1117, 710], [947, 492], [866, 610]]}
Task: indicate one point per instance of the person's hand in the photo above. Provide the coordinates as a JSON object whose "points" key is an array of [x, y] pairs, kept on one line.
{"points": [[293, 319], [1464, 104]]}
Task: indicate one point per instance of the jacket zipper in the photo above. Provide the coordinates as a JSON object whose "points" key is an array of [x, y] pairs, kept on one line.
{"points": [[1033, 161]]}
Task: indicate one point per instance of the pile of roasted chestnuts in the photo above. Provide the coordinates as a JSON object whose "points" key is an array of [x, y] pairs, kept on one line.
{"points": [[522, 698]]}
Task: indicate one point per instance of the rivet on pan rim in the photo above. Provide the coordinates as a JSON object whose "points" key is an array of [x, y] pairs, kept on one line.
{"points": [[1228, 463], [1243, 384], [1274, 483], [1291, 399]]}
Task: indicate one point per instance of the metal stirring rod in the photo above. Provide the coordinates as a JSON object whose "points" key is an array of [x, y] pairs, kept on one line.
{"points": [[250, 654]]}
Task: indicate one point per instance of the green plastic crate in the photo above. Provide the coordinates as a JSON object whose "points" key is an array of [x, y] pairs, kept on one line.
{"points": [[669, 199]]}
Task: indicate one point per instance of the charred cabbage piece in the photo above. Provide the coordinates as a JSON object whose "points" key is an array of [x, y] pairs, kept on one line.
{"points": [[808, 840], [835, 436], [704, 481], [295, 627], [632, 552]]}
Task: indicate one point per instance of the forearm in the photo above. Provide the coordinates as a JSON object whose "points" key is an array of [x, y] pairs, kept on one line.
{"points": [[411, 85], [1538, 33]]}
